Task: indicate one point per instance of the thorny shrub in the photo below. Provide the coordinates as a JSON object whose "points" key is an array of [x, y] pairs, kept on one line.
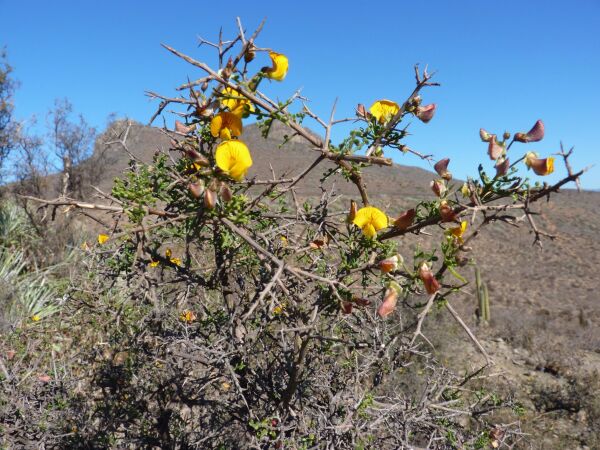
{"points": [[217, 311]]}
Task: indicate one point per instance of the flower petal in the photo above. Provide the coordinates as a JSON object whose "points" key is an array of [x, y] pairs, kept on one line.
{"points": [[225, 125]]}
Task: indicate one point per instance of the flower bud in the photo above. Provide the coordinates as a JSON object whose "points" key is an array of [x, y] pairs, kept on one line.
{"points": [[485, 136], [207, 109], [432, 285], [465, 190], [204, 86], [426, 113], [495, 150], [361, 111], [506, 136], [447, 212], [225, 193], [250, 53], [502, 166], [441, 167], [201, 161], [227, 70], [210, 199], [187, 316], [405, 219], [438, 187], [353, 210], [534, 135], [196, 189], [389, 264]]}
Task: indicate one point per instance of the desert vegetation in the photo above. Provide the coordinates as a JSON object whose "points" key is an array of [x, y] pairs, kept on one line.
{"points": [[195, 304]]}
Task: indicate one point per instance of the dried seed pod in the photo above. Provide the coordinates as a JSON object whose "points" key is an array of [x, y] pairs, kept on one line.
{"points": [[432, 285], [426, 113], [405, 219], [447, 212], [495, 150], [534, 135], [502, 166], [441, 167], [390, 299], [438, 187], [389, 264], [183, 129]]}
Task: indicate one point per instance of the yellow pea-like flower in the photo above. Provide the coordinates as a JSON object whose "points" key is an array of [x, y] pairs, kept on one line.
{"points": [[176, 261], [236, 102], [458, 232], [370, 220], [384, 110], [226, 125], [102, 238], [233, 158], [280, 66], [187, 316]]}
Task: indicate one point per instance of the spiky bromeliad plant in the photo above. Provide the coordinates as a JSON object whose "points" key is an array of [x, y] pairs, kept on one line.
{"points": [[268, 323]]}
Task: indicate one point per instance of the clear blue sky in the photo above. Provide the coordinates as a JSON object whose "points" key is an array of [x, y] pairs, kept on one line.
{"points": [[502, 64]]}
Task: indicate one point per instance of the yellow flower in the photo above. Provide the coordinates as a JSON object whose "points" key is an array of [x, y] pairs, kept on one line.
{"points": [[236, 102], [154, 263], [280, 67], [278, 309], [233, 158], [170, 257], [175, 261], [370, 220], [102, 238], [226, 125], [187, 316], [36, 318], [384, 110], [457, 232]]}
